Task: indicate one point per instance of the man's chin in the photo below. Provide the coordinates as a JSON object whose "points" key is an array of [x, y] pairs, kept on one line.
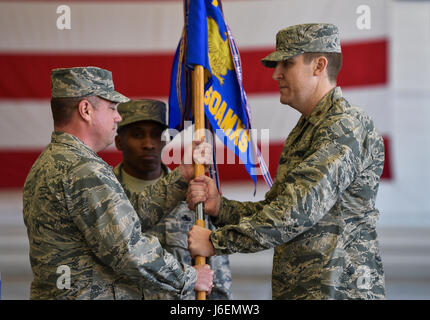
{"points": [[284, 101], [102, 147]]}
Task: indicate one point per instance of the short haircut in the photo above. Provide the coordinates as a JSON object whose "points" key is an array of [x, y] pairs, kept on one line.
{"points": [[334, 62], [63, 108]]}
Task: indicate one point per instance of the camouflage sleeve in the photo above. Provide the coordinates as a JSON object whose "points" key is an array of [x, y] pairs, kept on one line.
{"points": [[159, 198], [232, 211], [308, 192], [111, 228]]}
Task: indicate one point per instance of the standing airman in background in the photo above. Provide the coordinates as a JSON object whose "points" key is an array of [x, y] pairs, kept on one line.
{"points": [[140, 141]]}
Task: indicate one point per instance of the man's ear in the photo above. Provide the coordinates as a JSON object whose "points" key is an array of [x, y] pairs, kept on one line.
{"points": [[118, 142], [85, 110], [320, 64]]}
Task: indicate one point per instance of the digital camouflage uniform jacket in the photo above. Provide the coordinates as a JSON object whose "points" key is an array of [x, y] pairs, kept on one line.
{"points": [[320, 214], [172, 232], [77, 215]]}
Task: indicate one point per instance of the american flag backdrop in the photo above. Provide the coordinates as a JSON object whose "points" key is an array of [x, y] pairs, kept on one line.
{"points": [[137, 39]]}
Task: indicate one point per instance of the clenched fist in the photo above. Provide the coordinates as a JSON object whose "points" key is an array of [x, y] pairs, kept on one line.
{"points": [[199, 243]]}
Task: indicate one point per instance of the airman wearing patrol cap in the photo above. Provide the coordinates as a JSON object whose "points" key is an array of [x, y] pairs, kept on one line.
{"points": [[320, 213], [143, 110], [298, 39], [85, 237], [83, 82], [139, 139]]}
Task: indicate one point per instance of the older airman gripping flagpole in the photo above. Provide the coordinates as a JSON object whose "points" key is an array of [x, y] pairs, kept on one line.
{"points": [[199, 169]]}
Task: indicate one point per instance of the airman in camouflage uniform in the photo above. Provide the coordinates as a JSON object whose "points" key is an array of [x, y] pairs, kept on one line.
{"points": [[320, 213], [85, 237], [139, 135]]}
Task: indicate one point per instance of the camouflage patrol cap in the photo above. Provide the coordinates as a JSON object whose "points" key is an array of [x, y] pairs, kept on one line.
{"points": [[140, 110], [82, 82], [301, 38]]}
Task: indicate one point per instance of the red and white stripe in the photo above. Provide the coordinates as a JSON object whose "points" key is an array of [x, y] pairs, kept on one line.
{"points": [[136, 41]]}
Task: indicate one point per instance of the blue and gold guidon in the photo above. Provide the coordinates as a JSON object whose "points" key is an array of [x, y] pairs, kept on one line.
{"points": [[207, 41]]}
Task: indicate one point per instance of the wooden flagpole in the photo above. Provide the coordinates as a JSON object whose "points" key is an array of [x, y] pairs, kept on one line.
{"points": [[199, 169]]}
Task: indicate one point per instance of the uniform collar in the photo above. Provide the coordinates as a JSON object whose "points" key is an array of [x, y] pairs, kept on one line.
{"points": [[324, 105], [118, 171], [72, 141]]}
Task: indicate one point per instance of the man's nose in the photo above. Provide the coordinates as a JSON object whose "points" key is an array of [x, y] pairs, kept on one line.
{"points": [[118, 117], [148, 143], [277, 74]]}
